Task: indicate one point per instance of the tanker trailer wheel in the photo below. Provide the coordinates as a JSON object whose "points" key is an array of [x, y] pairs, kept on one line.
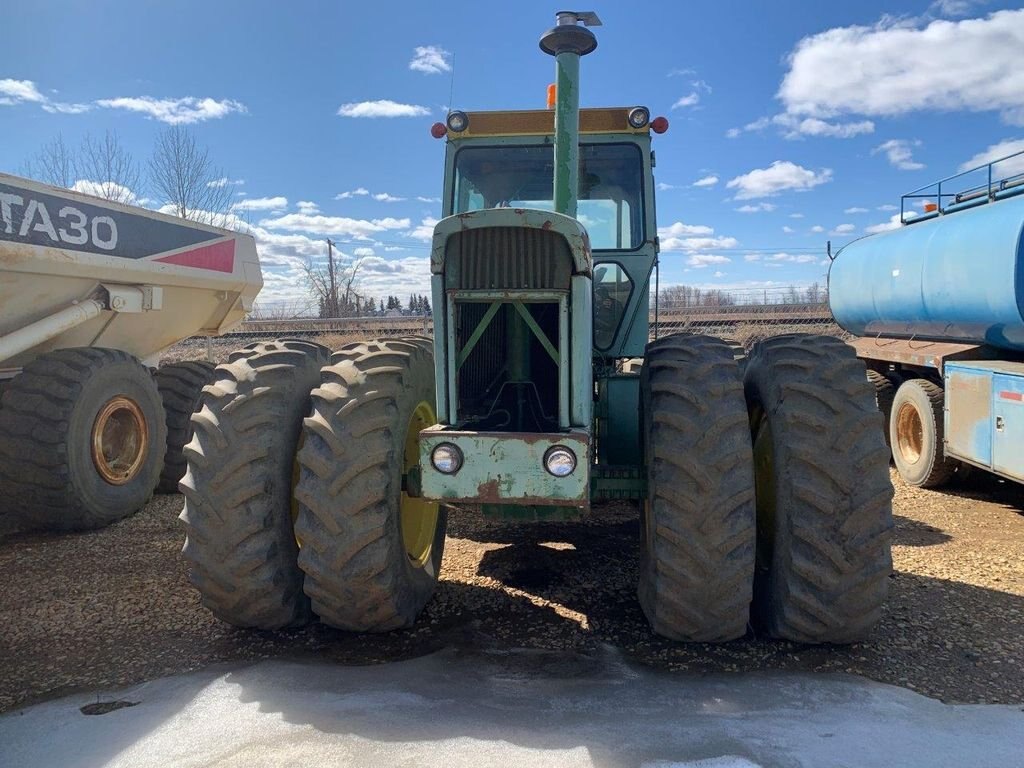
{"points": [[916, 431], [370, 548], [885, 391], [180, 386], [824, 499], [698, 522], [82, 439], [240, 542]]}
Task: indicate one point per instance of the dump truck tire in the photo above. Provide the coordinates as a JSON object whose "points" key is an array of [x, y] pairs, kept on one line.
{"points": [[371, 553], [916, 431], [83, 440], [824, 498], [698, 522], [240, 543], [180, 386], [885, 391]]}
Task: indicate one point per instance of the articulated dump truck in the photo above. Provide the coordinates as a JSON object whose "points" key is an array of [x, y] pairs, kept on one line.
{"points": [[938, 304], [320, 484], [91, 292]]}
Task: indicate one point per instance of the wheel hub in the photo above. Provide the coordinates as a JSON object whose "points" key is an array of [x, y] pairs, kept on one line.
{"points": [[909, 433], [120, 440], [419, 517]]}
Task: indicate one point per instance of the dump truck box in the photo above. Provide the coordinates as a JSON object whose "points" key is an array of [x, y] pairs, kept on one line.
{"points": [[80, 271]]}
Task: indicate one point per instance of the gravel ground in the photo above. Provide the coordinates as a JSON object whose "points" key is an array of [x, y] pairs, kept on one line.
{"points": [[113, 607]]}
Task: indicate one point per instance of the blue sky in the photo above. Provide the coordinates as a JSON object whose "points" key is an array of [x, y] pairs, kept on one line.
{"points": [[800, 120]]}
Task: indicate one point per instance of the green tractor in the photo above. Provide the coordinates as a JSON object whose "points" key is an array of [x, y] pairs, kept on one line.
{"points": [[320, 484]]}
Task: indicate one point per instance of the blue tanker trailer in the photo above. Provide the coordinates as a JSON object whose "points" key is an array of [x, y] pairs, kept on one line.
{"points": [[938, 306]]}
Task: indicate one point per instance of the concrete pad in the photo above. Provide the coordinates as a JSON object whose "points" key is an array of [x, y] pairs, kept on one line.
{"points": [[524, 708]]}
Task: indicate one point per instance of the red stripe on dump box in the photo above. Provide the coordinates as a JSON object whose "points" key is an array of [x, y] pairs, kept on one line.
{"points": [[1018, 396], [219, 257]]}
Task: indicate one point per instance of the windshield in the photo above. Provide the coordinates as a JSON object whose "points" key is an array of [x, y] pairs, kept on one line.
{"points": [[611, 184]]}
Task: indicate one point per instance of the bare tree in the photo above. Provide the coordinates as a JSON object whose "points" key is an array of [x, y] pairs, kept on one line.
{"points": [[333, 284], [183, 175], [54, 164], [111, 168]]}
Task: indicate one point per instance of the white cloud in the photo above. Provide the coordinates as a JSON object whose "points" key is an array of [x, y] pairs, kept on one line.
{"points": [[719, 273], [803, 258], [695, 244], [359, 192], [702, 260], [363, 252], [885, 226], [428, 199], [15, 91], [706, 181], [25, 91], [756, 208], [843, 229], [687, 101], [108, 190], [855, 209], [788, 230], [780, 176], [60, 108], [996, 152], [425, 230], [224, 181], [900, 154], [887, 207], [796, 127], [752, 257], [360, 229], [381, 108], [678, 229], [384, 197], [899, 66], [817, 228], [733, 133], [261, 204], [431, 60], [953, 7], [663, 187], [183, 111], [307, 207], [796, 215]]}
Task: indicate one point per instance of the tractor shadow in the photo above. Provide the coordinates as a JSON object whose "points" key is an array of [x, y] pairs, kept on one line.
{"points": [[914, 533], [984, 486]]}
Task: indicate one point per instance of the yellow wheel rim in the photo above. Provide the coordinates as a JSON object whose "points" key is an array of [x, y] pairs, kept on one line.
{"points": [[909, 433], [418, 516], [120, 440]]}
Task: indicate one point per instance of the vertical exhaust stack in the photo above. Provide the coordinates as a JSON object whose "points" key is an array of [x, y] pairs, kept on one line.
{"points": [[567, 42]]}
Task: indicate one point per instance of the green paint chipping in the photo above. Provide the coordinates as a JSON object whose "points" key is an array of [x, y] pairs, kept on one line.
{"points": [[567, 133]]}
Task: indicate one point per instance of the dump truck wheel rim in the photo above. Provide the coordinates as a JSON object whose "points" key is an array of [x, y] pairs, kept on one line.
{"points": [[909, 433], [418, 516], [120, 440]]}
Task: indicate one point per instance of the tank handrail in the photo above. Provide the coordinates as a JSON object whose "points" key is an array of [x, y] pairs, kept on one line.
{"points": [[981, 190]]}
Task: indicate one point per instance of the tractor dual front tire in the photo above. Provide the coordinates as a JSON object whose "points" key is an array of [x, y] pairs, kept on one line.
{"points": [[180, 386], [371, 552], [698, 525], [240, 543], [82, 439], [824, 498]]}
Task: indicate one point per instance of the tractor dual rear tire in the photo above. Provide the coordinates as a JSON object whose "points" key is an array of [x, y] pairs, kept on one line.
{"points": [[824, 498], [83, 439], [916, 430], [240, 542], [885, 391], [698, 524], [180, 386], [371, 553]]}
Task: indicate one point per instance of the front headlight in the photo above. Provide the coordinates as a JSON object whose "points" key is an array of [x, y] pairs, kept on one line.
{"points": [[560, 461], [446, 458]]}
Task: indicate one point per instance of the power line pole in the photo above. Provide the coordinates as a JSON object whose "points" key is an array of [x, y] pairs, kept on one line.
{"points": [[332, 297]]}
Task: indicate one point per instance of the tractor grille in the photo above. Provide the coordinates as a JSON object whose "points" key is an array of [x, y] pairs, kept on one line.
{"points": [[508, 259]]}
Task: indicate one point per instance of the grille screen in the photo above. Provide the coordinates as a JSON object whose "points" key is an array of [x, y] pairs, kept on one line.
{"points": [[508, 258]]}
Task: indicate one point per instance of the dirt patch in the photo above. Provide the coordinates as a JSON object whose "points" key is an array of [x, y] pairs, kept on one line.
{"points": [[113, 607]]}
